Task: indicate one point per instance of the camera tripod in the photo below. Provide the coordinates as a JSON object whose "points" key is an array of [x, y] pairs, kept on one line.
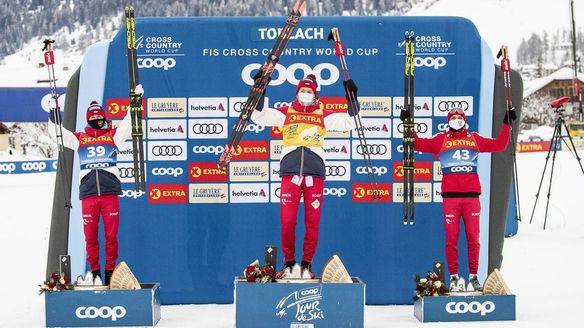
{"points": [[557, 138]]}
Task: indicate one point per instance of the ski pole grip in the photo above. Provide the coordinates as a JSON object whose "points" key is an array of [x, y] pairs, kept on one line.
{"points": [[339, 48], [49, 58], [505, 65]]}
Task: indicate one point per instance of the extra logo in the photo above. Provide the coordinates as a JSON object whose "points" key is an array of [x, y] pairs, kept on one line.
{"points": [[7, 167], [375, 149], [364, 192], [442, 105], [206, 172], [276, 132], [167, 150], [104, 312], [375, 128], [167, 193], [422, 171], [208, 107], [117, 108], [326, 74], [237, 105], [422, 126], [208, 129], [338, 171], [169, 171], [335, 104], [304, 305], [251, 150], [483, 308]]}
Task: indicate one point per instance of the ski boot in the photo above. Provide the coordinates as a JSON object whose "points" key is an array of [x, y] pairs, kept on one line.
{"points": [[286, 272], [306, 270], [473, 284], [108, 277]]}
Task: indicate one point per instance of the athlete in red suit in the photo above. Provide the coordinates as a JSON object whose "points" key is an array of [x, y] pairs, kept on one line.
{"points": [[458, 150]]}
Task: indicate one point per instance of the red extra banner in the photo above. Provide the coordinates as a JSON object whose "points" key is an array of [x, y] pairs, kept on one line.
{"points": [[167, 193], [362, 192], [118, 107]]}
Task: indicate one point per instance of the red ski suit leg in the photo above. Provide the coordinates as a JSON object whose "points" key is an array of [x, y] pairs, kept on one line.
{"points": [[469, 209], [108, 207], [290, 195]]}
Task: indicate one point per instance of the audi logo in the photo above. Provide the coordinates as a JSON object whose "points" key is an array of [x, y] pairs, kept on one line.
{"points": [[239, 106], [336, 170], [170, 150], [207, 128], [92, 312], [372, 149], [419, 127], [448, 105], [472, 307], [126, 172]]}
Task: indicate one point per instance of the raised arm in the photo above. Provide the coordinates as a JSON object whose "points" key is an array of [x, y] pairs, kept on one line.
{"points": [[69, 139], [269, 116], [429, 145], [490, 145]]}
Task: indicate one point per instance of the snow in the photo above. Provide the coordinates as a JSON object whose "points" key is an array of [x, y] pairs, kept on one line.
{"points": [[533, 260], [564, 73], [506, 22]]}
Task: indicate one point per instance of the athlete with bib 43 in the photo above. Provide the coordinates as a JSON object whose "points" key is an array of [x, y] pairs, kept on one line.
{"points": [[458, 150], [99, 184], [304, 125]]}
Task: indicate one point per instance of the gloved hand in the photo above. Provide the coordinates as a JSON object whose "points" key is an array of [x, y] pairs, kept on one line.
{"points": [[510, 116], [55, 116], [351, 87], [52, 103], [139, 90], [404, 114], [259, 75]]}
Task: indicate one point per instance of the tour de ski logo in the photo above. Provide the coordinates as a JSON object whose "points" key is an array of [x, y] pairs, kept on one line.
{"points": [[303, 304]]}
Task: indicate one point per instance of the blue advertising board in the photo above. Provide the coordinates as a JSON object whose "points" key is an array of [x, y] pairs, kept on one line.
{"points": [[27, 104], [20, 167], [196, 227], [465, 308]]}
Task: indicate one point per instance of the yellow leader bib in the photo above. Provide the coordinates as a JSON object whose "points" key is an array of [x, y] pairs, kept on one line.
{"points": [[304, 129]]}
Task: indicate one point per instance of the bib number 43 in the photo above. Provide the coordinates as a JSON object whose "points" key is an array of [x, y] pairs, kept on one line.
{"points": [[461, 155]]}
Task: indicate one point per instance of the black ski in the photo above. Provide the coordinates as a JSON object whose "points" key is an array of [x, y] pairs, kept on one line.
{"points": [[354, 103], [50, 62], [135, 102], [506, 69], [408, 132], [258, 89]]}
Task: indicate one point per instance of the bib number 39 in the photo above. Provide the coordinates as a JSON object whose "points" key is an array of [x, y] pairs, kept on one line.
{"points": [[95, 151]]}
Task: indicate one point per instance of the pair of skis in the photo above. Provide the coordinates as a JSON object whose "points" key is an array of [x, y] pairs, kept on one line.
{"points": [[135, 102], [50, 63], [409, 125], [258, 89], [354, 103], [506, 69]]}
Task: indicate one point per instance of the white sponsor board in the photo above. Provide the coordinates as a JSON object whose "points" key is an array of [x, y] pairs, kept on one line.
{"points": [[375, 128], [437, 192], [422, 192], [375, 106], [208, 107], [376, 148], [338, 171], [423, 106], [275, 149], [337, 149], [167, 150], [208, 129], [166, 107], [442, 105], [249, 192], [167, 129], [236, 105], [423, 127], [208, 193], [126, 154], [248, 171], [275, 171]]}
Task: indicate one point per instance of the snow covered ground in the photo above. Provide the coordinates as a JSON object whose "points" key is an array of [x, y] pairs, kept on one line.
{"points": [[533, 260]]}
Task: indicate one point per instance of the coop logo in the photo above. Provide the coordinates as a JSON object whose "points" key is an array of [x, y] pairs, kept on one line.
{"points": [[335, 192], [167, 107], [7, 167], [251, 127], [338, 171], [206, 172], [367, 192], [167, 151], [215, 150], [131, 193], [304, 304], [249, 192], [337, 149], [374, 149], [160, 63], [248, 171], [326, 74], [170, 171], [251, 150], [208, 129], [167, 129], [443, 105], [433, 62], [207, 107], [422, 171], [104, 312], [376, 170], [33, 166], [460, 169], [483, 308], [208, 193], [375, 128], [167, 193], [375, 106], [117, 108], [301, 33]]}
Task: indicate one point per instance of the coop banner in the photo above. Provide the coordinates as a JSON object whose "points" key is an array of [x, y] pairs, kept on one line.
{"points": [[197, 227]]}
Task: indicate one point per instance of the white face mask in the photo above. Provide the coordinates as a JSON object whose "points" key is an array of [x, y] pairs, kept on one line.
{"points": [[456, 124], [305, 98]]}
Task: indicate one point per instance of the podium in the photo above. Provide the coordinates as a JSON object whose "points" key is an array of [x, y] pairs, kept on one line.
{"points": [[299, 305], [103, 308], [465, 308]]}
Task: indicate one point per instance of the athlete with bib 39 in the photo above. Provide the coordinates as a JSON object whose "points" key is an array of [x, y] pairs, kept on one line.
{"points": [[458, 150], [99, 185], [304, 125]]}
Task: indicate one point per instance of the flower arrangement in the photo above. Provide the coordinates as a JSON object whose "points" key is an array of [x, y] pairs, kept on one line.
{"points": [[256, 273], [429, 286], [56, 283]]}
